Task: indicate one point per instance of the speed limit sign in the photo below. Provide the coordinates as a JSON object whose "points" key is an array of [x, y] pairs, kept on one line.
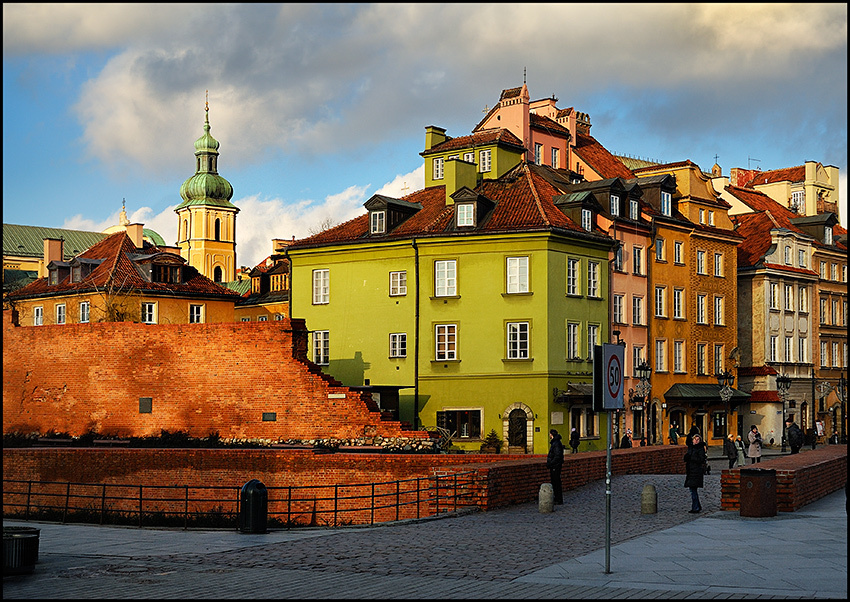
{"points": [[609, 374]]}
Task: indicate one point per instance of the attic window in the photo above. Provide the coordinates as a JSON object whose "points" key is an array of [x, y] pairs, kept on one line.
{"points": [[54, 277], [827, 235], [169, 274], [378, 222], [615, 205], [666, 203], [465, 214], [634, 207], [587, 219]]}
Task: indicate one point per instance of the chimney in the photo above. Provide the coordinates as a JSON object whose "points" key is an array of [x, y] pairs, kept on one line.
{"points": [[458, 174], [583, 123], [134, 231], [53, 251], [279, 244], [433, 136]]}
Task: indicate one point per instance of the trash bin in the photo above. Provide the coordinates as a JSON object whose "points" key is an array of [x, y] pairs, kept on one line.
{"points": [[20, 549], [254, 507], [758, 492]]}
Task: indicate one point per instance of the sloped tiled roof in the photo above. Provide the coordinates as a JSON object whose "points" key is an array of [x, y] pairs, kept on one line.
{"points": [[786, 174], [28, 241], [493, 136], [523, 201], [543, 122], [119, 269], [599, 159]]}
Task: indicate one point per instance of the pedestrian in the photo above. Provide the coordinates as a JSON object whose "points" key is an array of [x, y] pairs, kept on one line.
{"points": [[627, 440], [742, 451], [695, 461], [730, 450], [754, 439], [574, 440], [554, 462], [689, 440], [834, 438], [674, 434], [795, 435]]}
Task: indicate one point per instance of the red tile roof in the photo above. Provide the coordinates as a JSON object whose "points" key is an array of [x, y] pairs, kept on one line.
{"points": [[494, 136], [543, 122], [764, 396], [756, 371], [599, 159], [787, 174]]}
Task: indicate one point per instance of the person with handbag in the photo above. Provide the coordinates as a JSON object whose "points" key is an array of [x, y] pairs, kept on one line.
{"points": [[695, 465], [742, 451], [754, 439]]}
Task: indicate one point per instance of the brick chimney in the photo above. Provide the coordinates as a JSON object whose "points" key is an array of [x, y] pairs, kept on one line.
{"points": [[135, 232], [53, 251]]}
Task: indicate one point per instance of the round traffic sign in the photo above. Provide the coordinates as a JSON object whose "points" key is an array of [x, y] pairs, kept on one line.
{"points": [[614, 376]]}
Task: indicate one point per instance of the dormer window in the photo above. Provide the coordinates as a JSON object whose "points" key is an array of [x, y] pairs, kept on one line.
{"points": [[438, 168], [465, 213], [378, 222], [634, 209], [587, 219], [827, 235], [54, 277], [666, 203], [615, 205], [168, 274], [76, 273]]}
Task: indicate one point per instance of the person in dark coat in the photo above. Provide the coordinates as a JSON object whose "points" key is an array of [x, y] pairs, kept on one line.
{"points": [[674, 434], [795, 435], [730, 450], [754, 439], [574, 440], [554, 462], [627, 440], [695, 461]]}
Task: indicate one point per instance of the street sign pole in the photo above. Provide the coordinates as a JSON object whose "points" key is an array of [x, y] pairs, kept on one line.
{"points": [[607, 397], [608, 498]]}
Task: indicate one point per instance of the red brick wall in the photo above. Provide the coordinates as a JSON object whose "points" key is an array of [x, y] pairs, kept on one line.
{"points": [[800, 478], [203, 379]]}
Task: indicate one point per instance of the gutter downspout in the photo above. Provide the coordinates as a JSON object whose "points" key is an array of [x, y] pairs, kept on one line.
{"points": [[416, 341]]}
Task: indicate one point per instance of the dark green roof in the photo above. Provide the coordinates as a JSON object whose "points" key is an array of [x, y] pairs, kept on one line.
{"points": [[699, 391], [28, 241]]}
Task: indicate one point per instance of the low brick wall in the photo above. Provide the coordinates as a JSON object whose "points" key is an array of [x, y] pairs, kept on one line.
{"points": [[800, 478]]}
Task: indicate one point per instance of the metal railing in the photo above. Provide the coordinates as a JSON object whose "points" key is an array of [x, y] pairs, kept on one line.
{"points": [[219, 506]]}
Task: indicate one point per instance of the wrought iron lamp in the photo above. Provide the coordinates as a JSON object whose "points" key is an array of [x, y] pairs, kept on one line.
{"points": [[643, 371], [783, 385]]}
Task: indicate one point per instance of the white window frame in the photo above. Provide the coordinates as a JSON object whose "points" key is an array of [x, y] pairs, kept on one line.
{"points": [[445, 278], [321, 286], [518, 340], [823, 270], [701, 263], [637, 260], [484, 160], [802, 259], [438, 168], [789, 297], [149, 312], [38, 315], [718, 358], [702, 216], [824, 354], [666, 203], [803, 298], [774, 348], [637, 310], [660, 301], [679, 357], [445, 342], [833, 272], [592, 339], [614, 204], [719, 310], [377, 222], [701, 351], [85, 312], [196, 313], [555, 158], [538, 153], [593, 279], [678, 252], [618, 309], [398, 344], [679, 303], [660, 250], [718, 264], [61, 313], [637, 358], [634, 209], [661, 355], [701, 309], [321, 347], [587, 219], [802, 350], [788, 349], [836, 318], [469, 157], [398, 283], [516, 269], [836, 358], [573, 285], [572, 340], [262, 319], [827, 235], [465, 214], [773, 298], [710, 217]]}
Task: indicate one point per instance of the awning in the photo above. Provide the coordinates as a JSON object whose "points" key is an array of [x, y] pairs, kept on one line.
{"points": [[702, 393], [575, 393]]}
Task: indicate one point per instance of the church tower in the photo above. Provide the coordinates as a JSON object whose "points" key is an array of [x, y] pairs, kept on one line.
{"points": [[206, 232]]}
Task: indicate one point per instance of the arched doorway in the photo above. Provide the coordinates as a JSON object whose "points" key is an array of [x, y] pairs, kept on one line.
{"points": [[517, 427], [217, 274]]}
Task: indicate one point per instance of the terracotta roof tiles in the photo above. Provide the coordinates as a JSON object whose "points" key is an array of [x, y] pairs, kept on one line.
{"points": [[598, 157]]}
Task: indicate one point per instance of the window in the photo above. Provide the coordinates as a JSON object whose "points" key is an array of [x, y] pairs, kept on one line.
{"points": [[586, 219], [660, 355], [592, 279], [678, 247], [438, 168], [823, 270], [615, 205], [618, 258], [660, 301], [572, 341], [263, 319], [165, 273], [398, 344], [844, 273], [321, 347], [555, 161], [517, 336], [718, 425], [824, 354], [774, 295], [787, 255], [637, 260], [278, 317], [538, 153], [666, 203], [592, 339], [797, 200], [247, 319], [710, 217], [446, 340], [678, 356], [679, 303], [701, 310], [718, 311], [85, 310], [801, 258], [824, 311], [718, 264], [469, 157], [196, 314], [827, 235], [835, 316], [149, 313], [60, 313], [774, 348], [789, 349], [702, 216], [572, 276], [634, 209], [378, 222], [789, 297], [466, 423], [701, 359], [465, 214], [398, 283], [76, 273], [804, 299], [517, 275], [660, 250], [619, 318], [802, 350], [718, 359], [701, 262], [445, 278], [321, 287], [833, 273], [484, 161], [637, 358], [637, 311]]}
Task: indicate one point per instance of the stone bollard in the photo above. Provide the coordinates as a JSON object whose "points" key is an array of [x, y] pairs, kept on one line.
{"points": [[547, 498], [648, 500]]}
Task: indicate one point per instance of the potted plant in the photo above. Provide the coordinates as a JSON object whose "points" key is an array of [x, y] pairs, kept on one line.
{"points": [[492, 444]]}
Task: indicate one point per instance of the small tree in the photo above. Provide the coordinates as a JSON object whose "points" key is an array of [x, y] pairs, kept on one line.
{"points": [[120, 303], [492, 441]]}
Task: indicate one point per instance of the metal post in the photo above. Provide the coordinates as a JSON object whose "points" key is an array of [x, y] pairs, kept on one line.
{"points": [[608, 498]]}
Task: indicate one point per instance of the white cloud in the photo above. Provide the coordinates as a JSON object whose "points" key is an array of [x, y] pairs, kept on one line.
{"points": [[404, 184]]}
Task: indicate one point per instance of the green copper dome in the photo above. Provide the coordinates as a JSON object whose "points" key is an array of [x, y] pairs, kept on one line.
{"points": [[206, 187]]}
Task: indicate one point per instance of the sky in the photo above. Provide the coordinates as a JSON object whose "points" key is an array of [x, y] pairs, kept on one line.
{"points": [[319, 106]]}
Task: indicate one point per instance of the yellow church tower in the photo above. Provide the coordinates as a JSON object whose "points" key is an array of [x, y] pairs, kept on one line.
{"points": [[206, 232]]}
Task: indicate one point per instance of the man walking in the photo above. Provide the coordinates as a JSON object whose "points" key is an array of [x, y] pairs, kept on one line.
{"points": [[554, 462], [795, 435]]}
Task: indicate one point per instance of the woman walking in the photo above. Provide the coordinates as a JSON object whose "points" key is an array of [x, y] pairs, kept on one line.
{"points": [[742, 451], [695, 461], [730, 451], [754, 439]]}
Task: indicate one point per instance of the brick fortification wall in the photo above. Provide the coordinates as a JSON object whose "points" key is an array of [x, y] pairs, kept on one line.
{"points": [[202, 379]]}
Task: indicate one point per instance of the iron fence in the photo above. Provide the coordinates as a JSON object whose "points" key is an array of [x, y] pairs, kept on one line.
{"points": [[213, 506]]}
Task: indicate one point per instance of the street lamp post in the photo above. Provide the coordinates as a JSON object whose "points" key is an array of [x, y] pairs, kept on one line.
{"points": [[726, 380], [643, 372], [841, 392], [783, 384]]}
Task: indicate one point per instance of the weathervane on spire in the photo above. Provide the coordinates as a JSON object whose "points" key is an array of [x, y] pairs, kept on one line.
{"points": [[208, 102]]}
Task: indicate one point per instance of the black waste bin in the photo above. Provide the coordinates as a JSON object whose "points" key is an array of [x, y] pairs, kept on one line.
{"points": [[254, 510], [20, 549], [758, 492]]}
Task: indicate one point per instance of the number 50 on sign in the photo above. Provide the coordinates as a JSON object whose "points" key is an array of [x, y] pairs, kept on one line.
{"points": [[608, 377]]}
